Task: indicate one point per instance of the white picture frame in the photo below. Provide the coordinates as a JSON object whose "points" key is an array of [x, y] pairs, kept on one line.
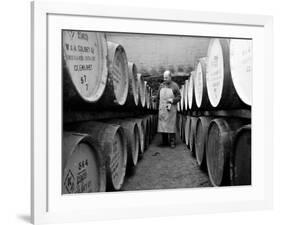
{"points": [[48, 207]]}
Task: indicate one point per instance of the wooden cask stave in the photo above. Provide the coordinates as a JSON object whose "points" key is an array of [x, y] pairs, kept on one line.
{"points": [[179, 122], [112, 142], [83, 166], [84, 67], [192, 132], [183, 128], [219, 149], [141, 127], [187, 130], [202, 127], [152, 126], [146, 132], [241, 157]]}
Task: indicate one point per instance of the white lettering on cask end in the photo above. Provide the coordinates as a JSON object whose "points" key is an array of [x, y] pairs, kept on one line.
{"points": [[241, 68], [80, 55]]}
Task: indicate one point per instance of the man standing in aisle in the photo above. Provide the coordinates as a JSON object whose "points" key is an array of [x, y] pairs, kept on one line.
{"points": [[168, 97]]}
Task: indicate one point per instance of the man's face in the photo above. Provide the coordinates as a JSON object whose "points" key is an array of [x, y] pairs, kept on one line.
{"points": [[167, 77]]}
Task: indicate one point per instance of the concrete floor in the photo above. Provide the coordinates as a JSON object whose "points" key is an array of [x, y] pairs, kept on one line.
{"points": [[166, 168]]}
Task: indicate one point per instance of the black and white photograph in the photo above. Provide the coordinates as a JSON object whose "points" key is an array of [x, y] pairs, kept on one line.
{"points": [[152, 111]]}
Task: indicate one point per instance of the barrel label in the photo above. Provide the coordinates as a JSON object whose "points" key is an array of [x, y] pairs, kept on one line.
{"points": [[79, 182], [81, 173], [82, 183], [69, 182], [215, 72], [117, 70], [81, 55], [241, 68]]}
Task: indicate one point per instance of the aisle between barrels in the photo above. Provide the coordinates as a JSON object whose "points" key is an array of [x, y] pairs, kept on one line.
{"points": [[166, 168]]}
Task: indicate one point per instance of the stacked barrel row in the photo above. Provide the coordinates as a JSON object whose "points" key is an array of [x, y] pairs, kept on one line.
{"points": [[222, 147], [97, 74], [97, 77], [221, 81], [98, 154]]}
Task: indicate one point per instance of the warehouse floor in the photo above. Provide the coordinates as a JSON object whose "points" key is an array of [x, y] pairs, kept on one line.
{"points": [[166, 168]]}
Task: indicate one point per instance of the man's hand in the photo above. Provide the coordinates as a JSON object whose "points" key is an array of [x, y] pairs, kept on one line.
{"points": [[170, 101]]}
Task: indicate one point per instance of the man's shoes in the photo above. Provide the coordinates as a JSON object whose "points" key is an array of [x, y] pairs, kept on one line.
{"points": [[173, 145]]}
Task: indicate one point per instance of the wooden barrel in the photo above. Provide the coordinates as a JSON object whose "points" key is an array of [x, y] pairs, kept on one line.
{"points": [[151, 98], [146, 131], [187, 130], [241, 55], [201, 140], [220, 86], [133, 92], [147, 95], [151, 125], [241, 159], [117, 84], [219, 147], [192, 134], [179, 123], [113, 144], [200, 88], [191, 103], [141, 129], [183, 128], [84, 66], [141, 90], [182, 90], [155, 122], [132, 135], [185, 95], [83, 166]]}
